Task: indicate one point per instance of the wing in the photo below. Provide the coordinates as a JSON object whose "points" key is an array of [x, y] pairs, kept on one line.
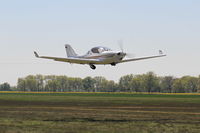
{"points": [[142, 58], [70, 60]]}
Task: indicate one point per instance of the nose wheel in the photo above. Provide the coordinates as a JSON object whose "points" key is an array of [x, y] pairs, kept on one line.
{"points": [[92, 66]]}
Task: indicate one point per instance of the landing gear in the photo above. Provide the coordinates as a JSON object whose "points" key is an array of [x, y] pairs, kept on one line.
{"points": [[113, 64], [92, 66]]}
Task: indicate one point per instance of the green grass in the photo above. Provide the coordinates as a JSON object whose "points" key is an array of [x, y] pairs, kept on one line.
{"points": [[99, 113]]}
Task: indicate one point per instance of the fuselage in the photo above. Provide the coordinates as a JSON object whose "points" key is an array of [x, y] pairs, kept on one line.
{"points": [[104, 55]]}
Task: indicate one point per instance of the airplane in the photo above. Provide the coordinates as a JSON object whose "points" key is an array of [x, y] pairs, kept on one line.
{"points": [[97, 56]]}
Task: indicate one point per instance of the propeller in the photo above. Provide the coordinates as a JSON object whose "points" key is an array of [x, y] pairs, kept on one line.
{"points": [[129, 55], [120, 43]]}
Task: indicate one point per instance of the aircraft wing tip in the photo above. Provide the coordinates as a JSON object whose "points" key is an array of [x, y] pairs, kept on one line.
{"points": [[161, 53], [36, 54]]}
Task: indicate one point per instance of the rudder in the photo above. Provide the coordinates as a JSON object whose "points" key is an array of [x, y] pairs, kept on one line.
{"points": [[70, 51]]}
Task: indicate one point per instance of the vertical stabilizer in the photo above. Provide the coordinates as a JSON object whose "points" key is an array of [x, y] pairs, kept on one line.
{"points": [[70, 51]]}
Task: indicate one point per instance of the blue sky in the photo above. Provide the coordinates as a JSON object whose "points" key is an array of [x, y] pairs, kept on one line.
{"points": [[144, 26]]}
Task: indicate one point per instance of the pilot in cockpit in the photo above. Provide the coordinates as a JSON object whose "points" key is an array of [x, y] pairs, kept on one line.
{"points": [[98, 50], [101, 50]]}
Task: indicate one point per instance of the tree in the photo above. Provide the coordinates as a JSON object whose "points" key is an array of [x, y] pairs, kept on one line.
{"points": [[5, 87], [186, 84], [125, 83], [31, 83], [178, 86], [21, 84], [111, 86], [151, 82], [99, 84], [138, 83], [88, 84], [167, 84], [148, 82], [198, 88], [52, 85], [63, 83], [190, 84], [40, 82]]}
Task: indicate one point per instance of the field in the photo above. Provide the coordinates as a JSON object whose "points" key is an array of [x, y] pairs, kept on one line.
{"points": [[99, 113]]}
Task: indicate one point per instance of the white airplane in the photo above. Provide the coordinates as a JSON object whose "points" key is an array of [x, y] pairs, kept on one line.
{"points": [[97, 56]]}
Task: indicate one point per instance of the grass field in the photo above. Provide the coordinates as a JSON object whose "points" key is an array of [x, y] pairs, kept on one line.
{"points": [[99, 113]]}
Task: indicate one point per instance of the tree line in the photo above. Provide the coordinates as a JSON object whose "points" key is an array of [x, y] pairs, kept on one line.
{"points": [[148, 82]]}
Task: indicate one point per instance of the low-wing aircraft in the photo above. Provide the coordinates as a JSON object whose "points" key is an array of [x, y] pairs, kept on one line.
{"points": [[97, 56]]}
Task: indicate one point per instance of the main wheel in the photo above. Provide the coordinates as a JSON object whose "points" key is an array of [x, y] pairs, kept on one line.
{"points": [[92, 66], [113, 64]]}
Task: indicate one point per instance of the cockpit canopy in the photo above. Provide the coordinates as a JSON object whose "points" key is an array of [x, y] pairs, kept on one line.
{"points": [[99, 49]]}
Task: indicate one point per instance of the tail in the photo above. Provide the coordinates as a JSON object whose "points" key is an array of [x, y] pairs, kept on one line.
{"points": [[70, 51]]}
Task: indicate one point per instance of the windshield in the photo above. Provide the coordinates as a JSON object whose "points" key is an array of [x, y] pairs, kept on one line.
{"points": [[99, 49]]}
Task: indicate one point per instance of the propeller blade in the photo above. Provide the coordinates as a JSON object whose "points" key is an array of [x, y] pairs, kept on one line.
{"points": [[130, 55], [120, 43]]}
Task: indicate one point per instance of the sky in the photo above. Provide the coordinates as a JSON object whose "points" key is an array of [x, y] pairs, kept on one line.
{"points": [[144, 26]]}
